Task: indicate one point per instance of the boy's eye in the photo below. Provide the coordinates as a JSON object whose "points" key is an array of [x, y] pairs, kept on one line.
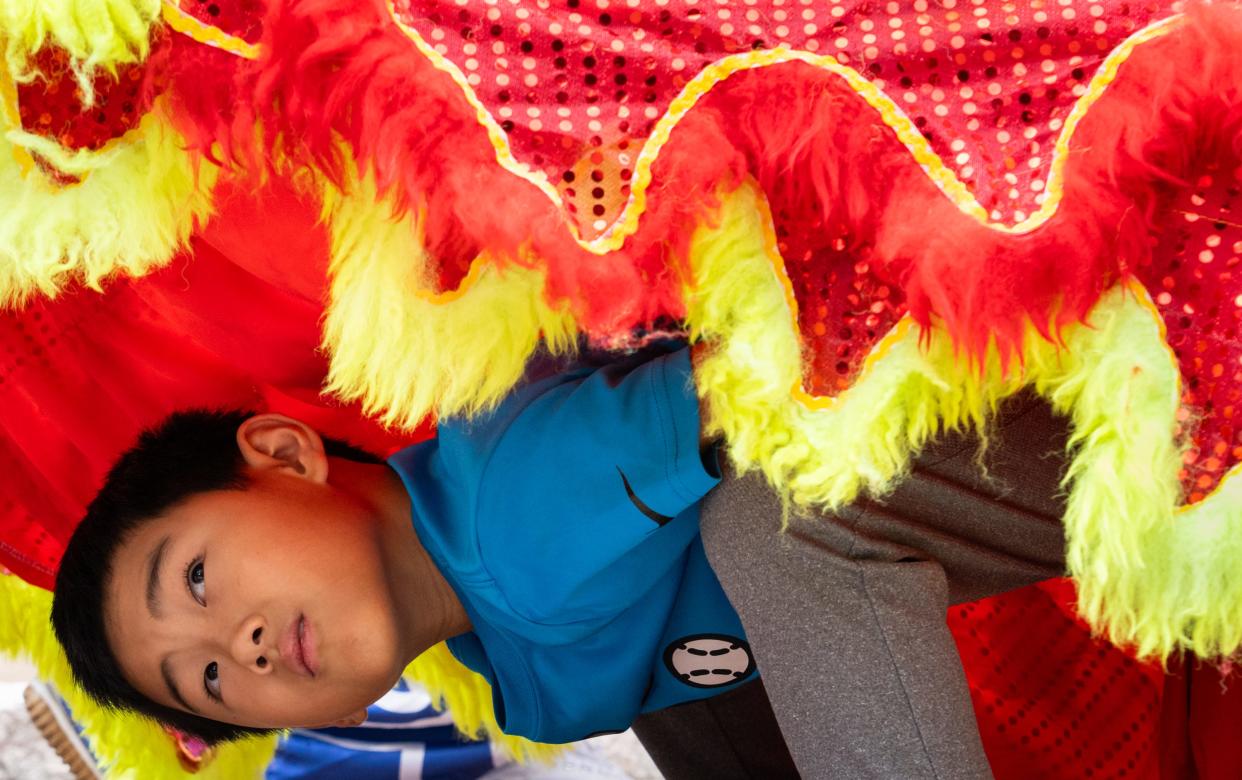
{"points": [[194, 580], [211, 680]]}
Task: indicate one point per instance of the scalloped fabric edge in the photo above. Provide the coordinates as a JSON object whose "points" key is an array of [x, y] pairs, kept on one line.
{"points": [[888, 110], [1154, 576], [406, 352]]}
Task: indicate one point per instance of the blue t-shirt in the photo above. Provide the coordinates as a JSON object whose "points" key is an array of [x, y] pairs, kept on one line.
{"points": [[567, 523]]}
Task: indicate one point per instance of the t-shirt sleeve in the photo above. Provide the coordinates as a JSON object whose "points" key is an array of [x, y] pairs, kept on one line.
{"points": [[591, 493]]}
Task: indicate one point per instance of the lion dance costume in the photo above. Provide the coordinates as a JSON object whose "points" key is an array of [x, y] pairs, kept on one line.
{"points": [[889, 216]]}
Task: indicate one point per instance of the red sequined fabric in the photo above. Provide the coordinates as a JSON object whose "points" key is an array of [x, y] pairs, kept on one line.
{"points": [[1053, 702], [52, 105], [990, 85], [1195, 279], [577, 88], [845, 309]]}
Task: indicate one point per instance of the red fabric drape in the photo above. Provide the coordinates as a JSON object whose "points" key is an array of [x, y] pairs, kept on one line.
{"points": [[233, 321]]}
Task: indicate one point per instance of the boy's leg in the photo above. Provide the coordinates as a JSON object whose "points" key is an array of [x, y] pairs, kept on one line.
{"points": [[846, 613], [733, 736]]}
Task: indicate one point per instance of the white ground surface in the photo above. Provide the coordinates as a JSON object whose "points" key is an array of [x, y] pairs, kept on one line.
{"points": [[23, 753]]}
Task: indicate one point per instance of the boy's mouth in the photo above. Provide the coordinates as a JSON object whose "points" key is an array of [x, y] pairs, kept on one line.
{"points": [[297, 647]]}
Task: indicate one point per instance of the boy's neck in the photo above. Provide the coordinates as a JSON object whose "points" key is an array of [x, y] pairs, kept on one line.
{"points": [[428, 610]]}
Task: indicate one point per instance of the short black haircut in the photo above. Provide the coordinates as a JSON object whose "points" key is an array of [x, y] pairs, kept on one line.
{"points": [[190, 452]]}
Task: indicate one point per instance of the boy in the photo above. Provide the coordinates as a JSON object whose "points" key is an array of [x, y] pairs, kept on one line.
{"points": [[239, 573], [241, 570]]}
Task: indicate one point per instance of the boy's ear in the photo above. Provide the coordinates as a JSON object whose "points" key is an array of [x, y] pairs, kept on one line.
{"points": [[270, 441], [349, 721]]}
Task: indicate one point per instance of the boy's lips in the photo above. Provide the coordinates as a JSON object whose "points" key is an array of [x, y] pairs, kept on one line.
{"points": [[297, 647]]}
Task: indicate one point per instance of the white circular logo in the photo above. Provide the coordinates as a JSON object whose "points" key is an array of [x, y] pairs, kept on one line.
{"points": [[709, 660]]}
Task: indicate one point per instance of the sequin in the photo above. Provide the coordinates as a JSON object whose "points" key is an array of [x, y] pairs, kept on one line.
{"points": [[843, 304], [1198, 291], [1006, 80], [52, 107]]}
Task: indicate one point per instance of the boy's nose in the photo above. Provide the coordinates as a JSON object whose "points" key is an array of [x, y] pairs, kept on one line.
{"points": [[252, 645]]}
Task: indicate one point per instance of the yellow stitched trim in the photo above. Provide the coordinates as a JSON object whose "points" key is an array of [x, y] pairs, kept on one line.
{"points": [[187, 25], [11, 109], [26, 162], [891, 114], [1136, 288], [907, 132], [722, 69], [889, 111], [13, 121], [179, 21], [1099, 83], [881, 348]]}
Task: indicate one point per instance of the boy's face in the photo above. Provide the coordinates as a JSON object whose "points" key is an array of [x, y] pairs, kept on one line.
{"points": [[265, 607]]}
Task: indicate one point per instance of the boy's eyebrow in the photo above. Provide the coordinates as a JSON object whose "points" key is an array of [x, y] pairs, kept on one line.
{"points": [[153, 578], [166, 671]]}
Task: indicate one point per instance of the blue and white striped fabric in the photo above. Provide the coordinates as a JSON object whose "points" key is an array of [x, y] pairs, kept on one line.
{"points": [[404, 738]]}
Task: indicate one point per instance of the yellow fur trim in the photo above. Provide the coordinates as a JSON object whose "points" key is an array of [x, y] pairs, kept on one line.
{"points": [[468, 698], [129, 745], [135, 207], [96, 33], [1151, 576], [904, 395], [403, 349], [133, 746]]}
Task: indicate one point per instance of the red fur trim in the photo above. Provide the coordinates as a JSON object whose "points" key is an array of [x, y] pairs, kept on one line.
{"points": [[1176, 101], [832, 171], [339, 71]]}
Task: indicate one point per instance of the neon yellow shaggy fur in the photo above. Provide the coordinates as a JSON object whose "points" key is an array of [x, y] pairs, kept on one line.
{"points": [[468, 698], [738, 302], [1151, 576], [136, 205], [96, 33], [407, 354]]}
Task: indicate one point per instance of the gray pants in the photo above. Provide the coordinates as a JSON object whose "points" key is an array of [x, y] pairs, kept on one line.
{"points": [[846, 613]]}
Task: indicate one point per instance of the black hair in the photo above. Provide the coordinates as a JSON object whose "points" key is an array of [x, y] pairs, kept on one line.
{"points": [[191, 452]]}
